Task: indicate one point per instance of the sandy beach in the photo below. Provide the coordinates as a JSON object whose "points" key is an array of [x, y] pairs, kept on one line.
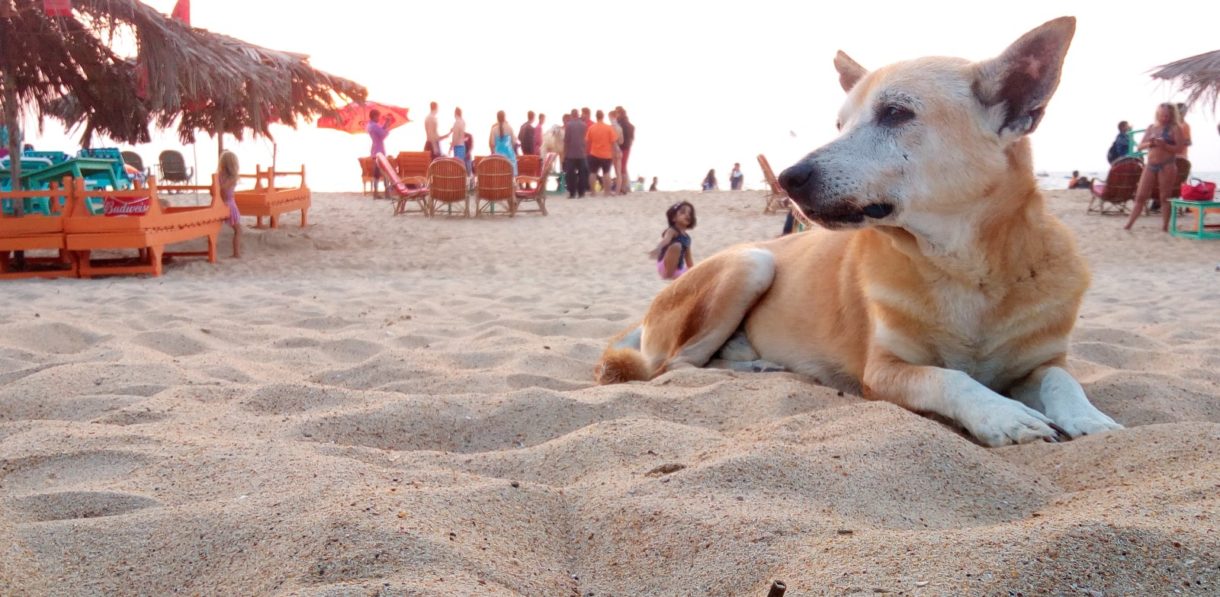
{"points": [[380, 405]]}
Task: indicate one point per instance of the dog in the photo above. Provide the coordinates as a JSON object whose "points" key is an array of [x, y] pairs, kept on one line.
{"points": [[940, 282]]}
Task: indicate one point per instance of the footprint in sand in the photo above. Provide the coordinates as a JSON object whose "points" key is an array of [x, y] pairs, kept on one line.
{"points": [[69, 505], [37, 474]]}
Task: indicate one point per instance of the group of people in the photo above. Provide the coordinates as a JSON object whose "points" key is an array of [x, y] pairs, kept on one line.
{"points": [[590, 144], [597, 147], [736, 178]]}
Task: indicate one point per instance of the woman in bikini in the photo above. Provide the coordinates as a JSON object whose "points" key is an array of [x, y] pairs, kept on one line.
{"points": [[1162, 140]]}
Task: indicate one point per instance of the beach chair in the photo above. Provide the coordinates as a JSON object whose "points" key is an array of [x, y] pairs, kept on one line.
{"points": [[529, 165], [173, 167], [118, 173], [532, 189], [447, 187], [406, 191], [494, 186], [777, 198], [413, 164], [1113, 196], [134, 160], [366, 175], [34, 234]]}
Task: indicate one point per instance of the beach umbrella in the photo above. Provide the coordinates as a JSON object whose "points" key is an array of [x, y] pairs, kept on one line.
{"points": [[353, 117], [1198, 75]]}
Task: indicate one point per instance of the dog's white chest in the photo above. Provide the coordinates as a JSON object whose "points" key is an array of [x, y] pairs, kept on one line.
{"points": [[966, 338]]}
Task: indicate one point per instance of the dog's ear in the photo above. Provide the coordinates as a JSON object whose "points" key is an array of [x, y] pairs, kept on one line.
{"points": [[849, 71], [1025, 76]]}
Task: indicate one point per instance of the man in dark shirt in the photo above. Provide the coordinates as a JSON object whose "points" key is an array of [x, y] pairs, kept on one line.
{"points": [[526, 136], [575, 157], [625, 144], [1121, 145]]}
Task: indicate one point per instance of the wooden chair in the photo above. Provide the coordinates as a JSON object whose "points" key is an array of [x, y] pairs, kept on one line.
{"points": [[366, 175], [533, 188], [494, 185], [269, 198], [413, 164], [529, 165], [406, 191], [777, 198], [1112, 197], [447, 187]]}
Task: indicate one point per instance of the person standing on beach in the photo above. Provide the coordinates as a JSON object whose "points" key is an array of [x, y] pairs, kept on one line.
{"points": [[434, 138], [229, 172], [539, 133], [502, 140], [575, 162], [619, 180], [525, 137], [600, 141], [378, 129], [1163, 140], [736, 177], [709, 181], [458, 133], [1186, 142], [625, 142], [1122, 143]]}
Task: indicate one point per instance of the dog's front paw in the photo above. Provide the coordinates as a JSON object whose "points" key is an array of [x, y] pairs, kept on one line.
{"points": [[1000, 421], [1088, 422]]}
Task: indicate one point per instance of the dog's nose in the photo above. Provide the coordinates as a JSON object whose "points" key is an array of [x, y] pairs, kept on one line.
{"points": [[798, 180]]}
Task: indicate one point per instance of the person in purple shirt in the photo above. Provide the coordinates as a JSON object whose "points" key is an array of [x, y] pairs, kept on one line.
{"points": [[378, 128]]}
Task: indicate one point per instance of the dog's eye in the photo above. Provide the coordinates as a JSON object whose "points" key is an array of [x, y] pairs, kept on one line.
{"points": [[894, 116]]}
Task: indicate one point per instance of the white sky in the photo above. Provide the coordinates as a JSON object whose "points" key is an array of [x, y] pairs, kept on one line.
{"points": [[706, 84]]}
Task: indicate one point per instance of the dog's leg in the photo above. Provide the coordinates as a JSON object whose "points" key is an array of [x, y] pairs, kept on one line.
{"points": [[681, 332], [738, 355], [1054, 392], [988, 416]]}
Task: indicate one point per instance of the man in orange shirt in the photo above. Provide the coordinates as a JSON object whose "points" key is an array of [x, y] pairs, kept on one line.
{"points": [[600, 140]]}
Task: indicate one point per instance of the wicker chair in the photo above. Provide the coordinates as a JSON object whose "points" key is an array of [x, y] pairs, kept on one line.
{"points": [[447, 187], [1112, 197], [494, 185]]}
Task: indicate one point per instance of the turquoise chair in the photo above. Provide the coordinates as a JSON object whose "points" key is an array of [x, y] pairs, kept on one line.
{"points": [[113, 154]]}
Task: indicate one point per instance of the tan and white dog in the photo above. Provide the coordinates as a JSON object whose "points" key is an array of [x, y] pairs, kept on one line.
{"points": [[941, 285]]}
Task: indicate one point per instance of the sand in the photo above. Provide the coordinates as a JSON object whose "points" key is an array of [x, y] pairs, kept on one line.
{"points": [[384, 405]]}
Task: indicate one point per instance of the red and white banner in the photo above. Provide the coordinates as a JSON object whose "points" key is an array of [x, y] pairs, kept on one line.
{"points": [[125, 206]]}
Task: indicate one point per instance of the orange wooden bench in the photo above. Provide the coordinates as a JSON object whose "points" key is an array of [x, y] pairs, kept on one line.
{"points": [[145, 231], [36, 232], [266, 200]]}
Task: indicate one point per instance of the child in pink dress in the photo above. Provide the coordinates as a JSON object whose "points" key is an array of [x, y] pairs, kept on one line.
{"points": [[228, 185]]}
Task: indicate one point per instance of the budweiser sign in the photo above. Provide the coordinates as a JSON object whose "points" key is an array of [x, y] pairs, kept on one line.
{"points": [[125, 206]]}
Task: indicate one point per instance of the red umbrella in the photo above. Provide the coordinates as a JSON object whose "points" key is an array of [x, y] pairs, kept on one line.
{"points": [[353, 117]]}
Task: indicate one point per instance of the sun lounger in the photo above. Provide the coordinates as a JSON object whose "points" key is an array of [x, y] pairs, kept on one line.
{"points": [[777, 198], [134, 219], [267, 200], [1112, 196], [36, 232]]}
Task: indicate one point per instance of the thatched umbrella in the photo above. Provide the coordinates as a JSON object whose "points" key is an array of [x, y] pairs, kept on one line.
{"points": [[1198, 75], [65, 66]]}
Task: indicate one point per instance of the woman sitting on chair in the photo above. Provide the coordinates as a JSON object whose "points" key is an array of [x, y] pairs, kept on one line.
{"points": [[1161, 140]]}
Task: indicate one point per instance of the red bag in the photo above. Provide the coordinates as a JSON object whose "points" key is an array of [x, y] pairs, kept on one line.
{"points": [[1201, 190]]}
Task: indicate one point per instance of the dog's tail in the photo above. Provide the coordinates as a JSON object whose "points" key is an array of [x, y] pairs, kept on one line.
{"points": [[619, 365], [622, 361]]}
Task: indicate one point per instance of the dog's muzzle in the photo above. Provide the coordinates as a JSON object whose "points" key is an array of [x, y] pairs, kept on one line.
{"points": [[803, 183]]}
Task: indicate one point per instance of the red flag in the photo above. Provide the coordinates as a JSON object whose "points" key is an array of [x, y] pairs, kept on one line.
{"points": [[182, 11], [57, 8]]}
